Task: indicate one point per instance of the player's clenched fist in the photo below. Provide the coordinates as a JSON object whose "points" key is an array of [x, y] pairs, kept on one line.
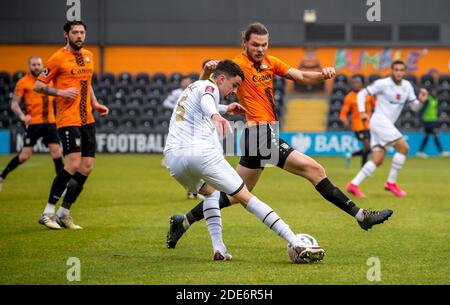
{"points": [[328, 73]]}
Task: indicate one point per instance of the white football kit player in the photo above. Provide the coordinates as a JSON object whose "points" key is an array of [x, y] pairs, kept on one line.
{"points": [[391, 98], [193, 151]]}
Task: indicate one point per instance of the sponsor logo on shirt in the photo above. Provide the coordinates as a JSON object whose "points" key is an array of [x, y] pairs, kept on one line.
{"points": [[262, 78], [209, 89]]}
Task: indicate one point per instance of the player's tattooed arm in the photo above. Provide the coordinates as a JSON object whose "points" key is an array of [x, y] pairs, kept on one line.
{"points": [[69, 93], [310, 77], [15, 107]]}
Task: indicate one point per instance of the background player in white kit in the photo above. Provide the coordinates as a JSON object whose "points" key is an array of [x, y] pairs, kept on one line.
{"points": [[194, 157], [392, 94]]}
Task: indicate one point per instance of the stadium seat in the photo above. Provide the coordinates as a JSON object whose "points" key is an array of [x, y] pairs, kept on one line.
{"points": [[443, 91], [162, 121], [120, 102], [342, 78], [4, 123], [121, 90], [107, 79], [361, 76], [373, 77], [159, 79], [5, 110], [334, 125], [110, 122], [104, 89], [146, 121], [157, 89], [412, 78], [115, 110], [194, 76], [139, 90], [165, 112], [175, 77], [17, 75], [427, 80], [124, 78], [142, 79], [94, 80], [335, 105], [339, 86], [4, 91], [4, 78], [149, 110], [136, 101], [128, 123], [131, 110], [444, 79], [279, 83], [153, 100]]}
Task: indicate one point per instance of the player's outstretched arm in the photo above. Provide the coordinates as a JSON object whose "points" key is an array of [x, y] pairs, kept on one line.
{"points": [[15, 107], [70, 93], [310, 77]]}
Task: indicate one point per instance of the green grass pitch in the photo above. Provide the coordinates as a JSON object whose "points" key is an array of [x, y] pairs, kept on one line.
{"points": [[128, 199]]}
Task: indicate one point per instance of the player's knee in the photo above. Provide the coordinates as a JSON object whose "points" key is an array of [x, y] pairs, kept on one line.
{"points": [[317, 170], [72, 165], [55, 153], [24, 156], [378, 162], [86, 169]]}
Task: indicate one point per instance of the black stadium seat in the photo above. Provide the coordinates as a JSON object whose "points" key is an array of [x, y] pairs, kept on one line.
{"points": [[124, 78], [149, 110], [4, 78], [159, 79], [427, 80], [17, 75], [362, 77], [128, 123], [444, 80], [341, 78], [107, 79], [175, 78], [115, 110], [412, 78], [142, 78], [146, 121], [136, 101], [132, 110], [373, 77], [94, 79]]}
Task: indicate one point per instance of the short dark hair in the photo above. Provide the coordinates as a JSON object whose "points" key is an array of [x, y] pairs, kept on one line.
{"points": [[229, 68], [254, 28], [69, 24], [398, 62]]}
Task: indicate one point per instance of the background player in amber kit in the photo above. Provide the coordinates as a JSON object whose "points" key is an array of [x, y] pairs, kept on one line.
{"points": [[359, 127], [39, 119], [256, 95], [71, 69]]}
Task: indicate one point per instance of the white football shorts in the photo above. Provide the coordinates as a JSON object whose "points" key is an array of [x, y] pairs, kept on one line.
{"points": [[383, 132], [194, 167]]}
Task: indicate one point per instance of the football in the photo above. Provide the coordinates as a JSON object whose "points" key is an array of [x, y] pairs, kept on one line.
{"points": [[308, 242]]}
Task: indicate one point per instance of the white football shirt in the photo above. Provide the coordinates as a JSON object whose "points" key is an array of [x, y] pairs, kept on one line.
{"points": [[189, 126], [390, 97]]}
